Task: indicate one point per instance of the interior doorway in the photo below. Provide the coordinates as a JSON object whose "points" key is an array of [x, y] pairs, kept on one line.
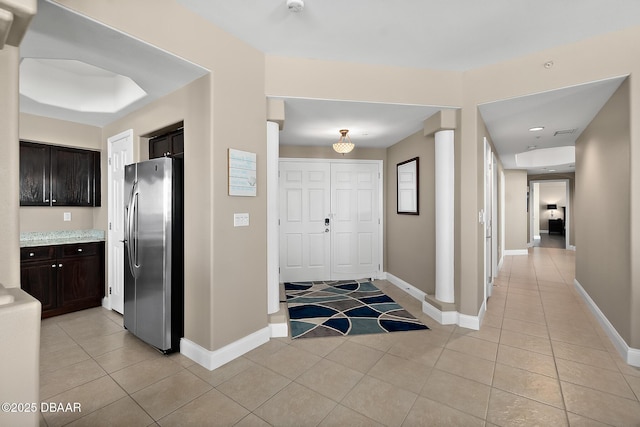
{"points": [[120, 154], [550, 219], [490, 218], [330, 219]]}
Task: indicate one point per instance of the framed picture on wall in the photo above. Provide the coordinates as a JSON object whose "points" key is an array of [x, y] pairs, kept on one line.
{"points": [[407, 182]]}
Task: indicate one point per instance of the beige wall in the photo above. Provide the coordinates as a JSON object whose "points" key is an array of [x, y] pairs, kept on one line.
{"points": [[227, 265], [59, 132], [515, 207], [603, 193], [306, 152], [411, 238], [9, 161]]}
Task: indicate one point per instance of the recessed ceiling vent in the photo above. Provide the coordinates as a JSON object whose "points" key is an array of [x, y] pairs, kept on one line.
{"points": [[565, 132]]}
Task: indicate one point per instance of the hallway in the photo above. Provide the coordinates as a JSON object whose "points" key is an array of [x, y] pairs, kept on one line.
{"points": [[540, 359]]}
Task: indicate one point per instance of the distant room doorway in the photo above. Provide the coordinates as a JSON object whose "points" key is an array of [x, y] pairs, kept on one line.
{"points": [[549, 214]]}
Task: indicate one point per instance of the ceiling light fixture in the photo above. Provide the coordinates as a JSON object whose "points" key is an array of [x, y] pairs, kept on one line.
{"points": [[536, 128], [295, 5], [344, 144]]}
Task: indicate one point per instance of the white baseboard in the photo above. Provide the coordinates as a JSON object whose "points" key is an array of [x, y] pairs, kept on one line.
{"points": [[214, 359], [106, 303], [279, 330], [516, 252], [629, 354], [544, 231], [405, 286], [572, 247], [537, 237], [442, 317]]}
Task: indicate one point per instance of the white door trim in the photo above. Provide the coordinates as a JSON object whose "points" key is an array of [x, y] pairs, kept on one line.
{"points": [[273, 192], [107, 302]]}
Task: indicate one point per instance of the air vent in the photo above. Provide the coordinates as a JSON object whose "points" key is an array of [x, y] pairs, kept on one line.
{"points": [[564, 132]]}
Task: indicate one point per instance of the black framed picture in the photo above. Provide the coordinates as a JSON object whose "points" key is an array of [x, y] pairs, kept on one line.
{"points": [[407, 182]]}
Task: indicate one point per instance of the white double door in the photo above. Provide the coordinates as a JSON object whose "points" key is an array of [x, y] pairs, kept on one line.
{"points": [[330, 220]]}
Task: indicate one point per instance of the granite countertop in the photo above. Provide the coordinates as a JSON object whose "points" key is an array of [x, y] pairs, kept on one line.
{"points": [[45, 238]]}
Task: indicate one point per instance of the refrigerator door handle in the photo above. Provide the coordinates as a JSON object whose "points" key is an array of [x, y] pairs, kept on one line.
{"points": [[132, 247]]}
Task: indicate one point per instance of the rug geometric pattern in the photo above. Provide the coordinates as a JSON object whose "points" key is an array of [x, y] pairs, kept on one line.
{"points": [[346, 307]]}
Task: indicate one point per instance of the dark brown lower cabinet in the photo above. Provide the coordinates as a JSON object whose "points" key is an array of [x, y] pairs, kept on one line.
{"points": [[64, 278]]}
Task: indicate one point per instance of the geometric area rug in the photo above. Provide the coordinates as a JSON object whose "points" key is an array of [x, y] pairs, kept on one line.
{"points": [[345, 307]]}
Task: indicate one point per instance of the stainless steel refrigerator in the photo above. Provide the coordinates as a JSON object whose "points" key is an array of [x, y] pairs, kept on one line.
{"points": [[153, 255]]}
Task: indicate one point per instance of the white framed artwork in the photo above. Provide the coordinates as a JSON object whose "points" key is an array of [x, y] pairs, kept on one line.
{"points": [[242, 173]]}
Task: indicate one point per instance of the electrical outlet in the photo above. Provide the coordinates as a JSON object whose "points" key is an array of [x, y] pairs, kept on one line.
{"points": [[240, 219], [67, 216]]}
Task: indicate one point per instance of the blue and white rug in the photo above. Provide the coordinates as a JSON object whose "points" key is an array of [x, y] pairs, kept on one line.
{"points": [[347, 307]]}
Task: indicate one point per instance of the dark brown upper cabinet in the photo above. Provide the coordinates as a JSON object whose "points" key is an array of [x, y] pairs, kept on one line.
{"points": [[58, 176], [168, 145]]}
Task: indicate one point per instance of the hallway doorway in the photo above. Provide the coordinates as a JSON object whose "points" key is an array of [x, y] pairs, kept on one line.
{"points": [[549, 214]]}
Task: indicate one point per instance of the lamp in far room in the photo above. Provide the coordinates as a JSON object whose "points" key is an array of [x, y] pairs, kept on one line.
{"points": [[552, 207], [344, 144]]}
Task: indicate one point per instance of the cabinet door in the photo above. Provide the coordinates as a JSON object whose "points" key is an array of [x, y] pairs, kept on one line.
{"points": [[159, 147], [168, 145], [177, 143], [39, 280], [72, 177], [79, 281], [34, 174]]}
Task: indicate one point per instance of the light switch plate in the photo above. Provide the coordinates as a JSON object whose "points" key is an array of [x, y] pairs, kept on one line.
{"points": [[240, 219], [67, 216]]}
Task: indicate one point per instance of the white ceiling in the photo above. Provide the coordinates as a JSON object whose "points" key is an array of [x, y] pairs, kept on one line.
{"points": [[449, 35], [566, 109], [58, 33], [317, 122]]}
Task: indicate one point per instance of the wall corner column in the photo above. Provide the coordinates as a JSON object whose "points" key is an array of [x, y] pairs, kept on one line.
{"points": [[9, 167], [442, 125], [275, 122]]}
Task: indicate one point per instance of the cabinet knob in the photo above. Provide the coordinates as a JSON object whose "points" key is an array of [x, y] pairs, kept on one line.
{"points": [[46, 200], [79, 249], [54, 200], [31, 254], [53, 266], [59, 265]]}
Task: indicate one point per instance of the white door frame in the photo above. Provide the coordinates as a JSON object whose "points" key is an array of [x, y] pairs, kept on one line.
{"points": [[567, 220], [488, 218], [106, 302], [494, 215], [380, 163]]}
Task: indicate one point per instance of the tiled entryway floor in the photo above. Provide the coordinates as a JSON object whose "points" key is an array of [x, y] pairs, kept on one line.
{"points": [[540, 358]]}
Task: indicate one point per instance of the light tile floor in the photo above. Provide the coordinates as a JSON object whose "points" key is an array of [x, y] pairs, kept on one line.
{"points": [[540, 358]]}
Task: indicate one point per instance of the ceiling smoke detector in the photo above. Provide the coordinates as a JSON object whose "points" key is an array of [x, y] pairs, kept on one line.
{"points": [[295, 5]]}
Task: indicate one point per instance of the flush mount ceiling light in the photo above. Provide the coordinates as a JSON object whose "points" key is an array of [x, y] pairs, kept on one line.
{"points": [[344, 144], [295, 5], [536, 128]]}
